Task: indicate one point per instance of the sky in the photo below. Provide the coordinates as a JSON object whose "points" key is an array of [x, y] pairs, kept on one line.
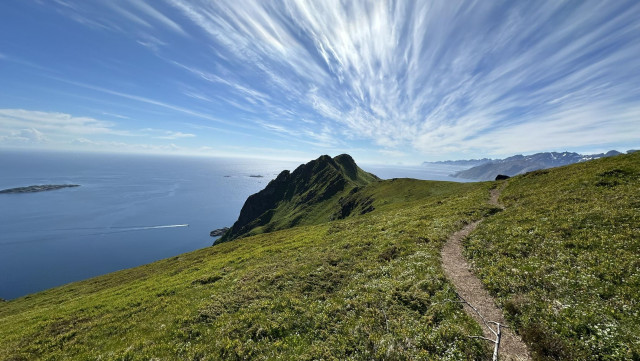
{"points": [[385, 81]]}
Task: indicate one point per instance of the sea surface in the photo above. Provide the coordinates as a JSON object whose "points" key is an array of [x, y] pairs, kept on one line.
{"points": [[128, 211]]}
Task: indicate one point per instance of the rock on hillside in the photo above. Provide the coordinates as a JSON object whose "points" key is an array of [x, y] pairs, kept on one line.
{"points": [[299, 197]]}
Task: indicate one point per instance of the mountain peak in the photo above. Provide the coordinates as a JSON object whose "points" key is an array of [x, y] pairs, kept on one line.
{"points": [[295, 198]]}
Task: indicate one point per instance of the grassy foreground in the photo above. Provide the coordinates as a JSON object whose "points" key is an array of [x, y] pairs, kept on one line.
{"points": [[366, 287], [564, 259]]}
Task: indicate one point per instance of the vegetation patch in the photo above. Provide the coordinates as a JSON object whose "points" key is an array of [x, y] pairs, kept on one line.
{"points": [[562, 258], [368, 287]]}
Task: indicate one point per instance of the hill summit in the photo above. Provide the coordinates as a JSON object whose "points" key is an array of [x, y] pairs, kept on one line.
{"points": [[304, 196]]}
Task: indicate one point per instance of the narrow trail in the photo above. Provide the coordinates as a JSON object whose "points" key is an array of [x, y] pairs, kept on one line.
{"points": [[470, 288]]}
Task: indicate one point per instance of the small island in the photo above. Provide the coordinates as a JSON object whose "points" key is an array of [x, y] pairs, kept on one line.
{"points": [[256, 176], [38, 188]]}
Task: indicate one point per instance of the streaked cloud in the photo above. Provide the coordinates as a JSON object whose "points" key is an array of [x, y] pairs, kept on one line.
{"points": [[23, 136], [440, 76], [12, 119], [19, 127], [164, 134], [413, 79]]}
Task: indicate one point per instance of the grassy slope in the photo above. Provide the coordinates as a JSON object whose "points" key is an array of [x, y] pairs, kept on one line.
{"points": [[366, 287], [564, 259]]}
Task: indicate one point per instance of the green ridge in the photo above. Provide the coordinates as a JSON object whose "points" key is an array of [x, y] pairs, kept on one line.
{"points": [[308, 195]]}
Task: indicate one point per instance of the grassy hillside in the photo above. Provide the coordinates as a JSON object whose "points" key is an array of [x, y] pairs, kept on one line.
{"points": [[366, 287], [564, 259]]}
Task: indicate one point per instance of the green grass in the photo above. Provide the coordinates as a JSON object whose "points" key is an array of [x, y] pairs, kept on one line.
{"points": [[564, 259], [367, 287]]}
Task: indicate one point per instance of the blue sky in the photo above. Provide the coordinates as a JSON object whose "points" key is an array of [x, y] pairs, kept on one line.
{"points": [[386, 81]]}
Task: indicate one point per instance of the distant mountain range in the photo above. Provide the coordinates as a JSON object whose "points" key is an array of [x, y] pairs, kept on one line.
{"points": [[462, 163], [488, 169]]}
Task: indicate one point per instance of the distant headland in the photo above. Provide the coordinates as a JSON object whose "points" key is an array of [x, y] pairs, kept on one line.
{"points": [[38, 188]]}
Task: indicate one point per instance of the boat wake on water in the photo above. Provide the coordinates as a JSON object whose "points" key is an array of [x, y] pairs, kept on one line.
{"points": [[110, 230], [97, 231]]}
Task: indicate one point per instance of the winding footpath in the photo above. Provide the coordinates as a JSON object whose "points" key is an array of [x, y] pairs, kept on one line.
{"points": [[470, 289]]}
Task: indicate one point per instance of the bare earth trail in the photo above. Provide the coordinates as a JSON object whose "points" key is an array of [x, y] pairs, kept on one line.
{"points": [[470, 288]]}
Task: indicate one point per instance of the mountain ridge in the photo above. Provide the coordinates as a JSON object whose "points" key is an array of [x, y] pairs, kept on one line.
{"points": [[519, 164], [292, 196]]}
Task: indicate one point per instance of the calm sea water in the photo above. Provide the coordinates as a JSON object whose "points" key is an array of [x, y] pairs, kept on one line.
{"points": [[128, 211]]}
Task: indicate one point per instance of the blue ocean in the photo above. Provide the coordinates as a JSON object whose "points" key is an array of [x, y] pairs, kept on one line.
{"points": [[128, 211]]}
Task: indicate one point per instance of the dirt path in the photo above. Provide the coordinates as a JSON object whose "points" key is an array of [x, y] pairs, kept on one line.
{"points": [[470, 289]]}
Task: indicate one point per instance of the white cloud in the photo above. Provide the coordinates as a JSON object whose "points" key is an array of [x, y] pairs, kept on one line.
{"points": [[438, 76], [116, 115], [151, 12], [126, 147], [149, 101], [19, 127], [405, 76], [53, 122], [23, 137], [163, 134], [151, 42]]}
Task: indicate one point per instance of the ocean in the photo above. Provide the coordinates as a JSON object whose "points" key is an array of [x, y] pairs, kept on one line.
{"points": [[129, 210]]}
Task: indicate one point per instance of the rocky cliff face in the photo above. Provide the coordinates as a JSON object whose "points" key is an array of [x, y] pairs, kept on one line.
{"points": [[303, 196]]}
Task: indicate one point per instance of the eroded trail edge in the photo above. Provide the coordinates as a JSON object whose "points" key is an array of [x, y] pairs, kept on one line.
{"points": [[469, 287]]}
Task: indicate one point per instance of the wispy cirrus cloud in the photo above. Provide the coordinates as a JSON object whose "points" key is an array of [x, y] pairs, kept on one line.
{"points": [[12, 119], [164, 134], [404, 78], [24, 127], [443, 75], [23, 136], [146, 100]]}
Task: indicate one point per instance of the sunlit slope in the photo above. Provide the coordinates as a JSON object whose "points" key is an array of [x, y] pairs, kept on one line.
{"points": [[564, 259], [365, 287]]}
